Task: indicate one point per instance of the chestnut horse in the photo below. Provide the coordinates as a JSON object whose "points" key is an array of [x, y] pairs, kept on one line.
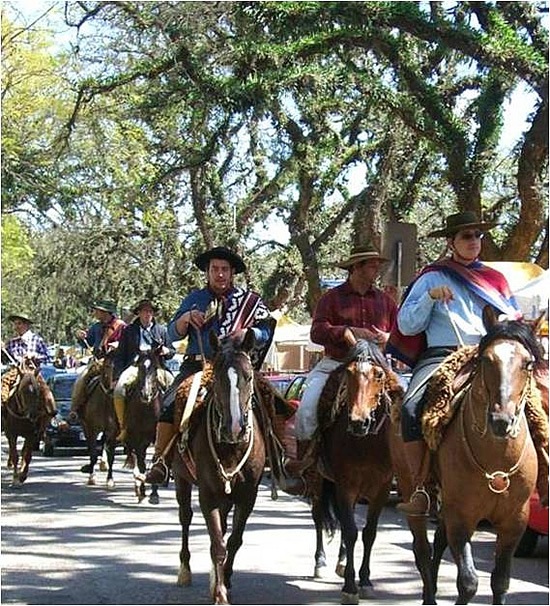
{"points": [[486, 463], [355, 454], [229, 454], [97, 415], [26, 413], [142, 414]]}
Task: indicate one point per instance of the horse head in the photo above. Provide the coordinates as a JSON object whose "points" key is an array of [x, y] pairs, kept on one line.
{"points": [[507, 357], [146, 386], [28, 395], [232, 385], [364, 386]]}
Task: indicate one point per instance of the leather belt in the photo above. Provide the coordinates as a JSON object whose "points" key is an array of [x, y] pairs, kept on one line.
{"points": [[195, 357]]}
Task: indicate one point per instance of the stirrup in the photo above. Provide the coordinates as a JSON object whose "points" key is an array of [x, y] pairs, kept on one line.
{"points": [[406, 507], [157, 468]]}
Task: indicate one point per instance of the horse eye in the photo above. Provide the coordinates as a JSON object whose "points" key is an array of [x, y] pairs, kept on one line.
{"points": [[529, 365]]}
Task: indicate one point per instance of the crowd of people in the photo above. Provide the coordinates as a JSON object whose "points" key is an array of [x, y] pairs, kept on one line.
{"points": [[440, 312]]}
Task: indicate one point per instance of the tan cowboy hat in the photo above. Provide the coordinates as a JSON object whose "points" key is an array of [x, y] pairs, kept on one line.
{"points": [[457, 222], [21, 316], [361, 253], [145, 303], [220, 252], [107, 306]]}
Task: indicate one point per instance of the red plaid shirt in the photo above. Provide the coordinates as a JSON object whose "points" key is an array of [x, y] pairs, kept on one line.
{"points": [[342, 307]]}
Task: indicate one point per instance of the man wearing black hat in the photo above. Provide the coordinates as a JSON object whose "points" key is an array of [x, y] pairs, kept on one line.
{"points": [[219, 306], [143, 334], [441, 311], [102, 337]]}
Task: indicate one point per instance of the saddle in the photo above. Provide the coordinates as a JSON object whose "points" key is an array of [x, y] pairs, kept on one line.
{"points": [[10, 381]]}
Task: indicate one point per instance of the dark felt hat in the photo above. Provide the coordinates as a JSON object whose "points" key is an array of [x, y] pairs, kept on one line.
{"points": [[220, 252], [107, 306], [457, 222], [21, 316], [361, 253], [144, 303]]}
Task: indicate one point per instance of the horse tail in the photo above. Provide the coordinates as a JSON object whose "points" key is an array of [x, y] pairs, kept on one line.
{"points": [[329, 508]]}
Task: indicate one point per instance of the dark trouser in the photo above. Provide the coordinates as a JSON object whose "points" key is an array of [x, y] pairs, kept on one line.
{"points": [[414, 402], [188, 367]]}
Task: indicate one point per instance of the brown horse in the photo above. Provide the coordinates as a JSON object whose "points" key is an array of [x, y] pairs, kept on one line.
{"points": [[486, 462], [97, 415], [229, 454], [142, 413], [355, 454], [26, 413]]}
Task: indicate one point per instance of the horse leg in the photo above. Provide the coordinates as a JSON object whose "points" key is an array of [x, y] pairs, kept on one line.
{"points": [[461, 548], [91, 441], [154, 494], [440, 544], [240, 516], [110, 445], [366, 590], [342, 558], [423, 557], [507, 540], [139, 477], [218, 552], [350, 594], [14, 457], [183, 495], [26, 456], [320, 556]]}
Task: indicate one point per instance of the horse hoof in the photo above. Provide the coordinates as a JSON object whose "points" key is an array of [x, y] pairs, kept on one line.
{"points": [[184, 578], [86, 468], [349, 598], [103, 466], [366, 592], [91, 481], [320, 572], [154, 499], [340, 570], [110, 483]]}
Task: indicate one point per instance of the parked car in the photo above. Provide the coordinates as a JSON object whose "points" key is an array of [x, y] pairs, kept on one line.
{"points": [[62, 431], [280, 381], [537, 526]]}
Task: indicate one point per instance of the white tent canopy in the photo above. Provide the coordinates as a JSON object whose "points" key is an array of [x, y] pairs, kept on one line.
{"points": [[533, 296]]}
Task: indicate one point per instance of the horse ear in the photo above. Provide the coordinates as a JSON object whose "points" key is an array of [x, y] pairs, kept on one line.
{"points": [[489, 316], [249, 340], [214, 341]]}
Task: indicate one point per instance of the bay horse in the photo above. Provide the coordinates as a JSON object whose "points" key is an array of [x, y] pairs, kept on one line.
{"points": [[97, 415], [26, 413], [486, 463], [228, 451], [143, 402], [355, 455]]}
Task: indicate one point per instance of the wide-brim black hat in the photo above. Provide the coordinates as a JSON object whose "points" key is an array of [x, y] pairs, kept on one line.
{"points": [[144, 303], [220, 252], [21, 316], [107, 306], [459, 221]]}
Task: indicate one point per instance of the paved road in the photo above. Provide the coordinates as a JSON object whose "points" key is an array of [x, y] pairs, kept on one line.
{"points": [[66, 543]]}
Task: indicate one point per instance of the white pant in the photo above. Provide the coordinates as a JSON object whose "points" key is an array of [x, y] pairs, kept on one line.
{"points": [[129, 375], [306, 416]]}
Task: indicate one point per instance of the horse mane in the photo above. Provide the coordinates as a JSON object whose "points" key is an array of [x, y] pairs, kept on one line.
{"points": [[515, 330], [364, 350]]}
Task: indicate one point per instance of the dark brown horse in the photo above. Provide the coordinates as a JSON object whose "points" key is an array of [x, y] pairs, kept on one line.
{"points": [[229, 454], [142, 413], [97, 415], [355, 454], [486, 462], [26, 414]]}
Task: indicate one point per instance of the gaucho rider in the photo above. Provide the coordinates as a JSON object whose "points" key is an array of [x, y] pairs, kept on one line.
{"points": [[103, 337], [220, 306], [142, 335]]}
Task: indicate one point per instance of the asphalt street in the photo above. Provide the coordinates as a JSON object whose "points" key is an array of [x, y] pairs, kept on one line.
{"points": [[64, 542]]}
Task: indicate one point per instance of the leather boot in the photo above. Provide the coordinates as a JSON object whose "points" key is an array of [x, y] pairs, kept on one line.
{"points": [[160, 469], [418, 459], [295, 484], [120, 406]]}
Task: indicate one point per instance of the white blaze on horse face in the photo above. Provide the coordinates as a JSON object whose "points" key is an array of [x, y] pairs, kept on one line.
{"points": [[234, 405], [505, 352]]}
